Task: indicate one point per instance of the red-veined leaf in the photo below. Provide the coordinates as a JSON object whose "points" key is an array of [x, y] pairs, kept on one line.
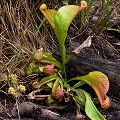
{"points": [[100, 83]]}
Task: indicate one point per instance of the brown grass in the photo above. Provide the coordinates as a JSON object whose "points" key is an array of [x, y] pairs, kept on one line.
{"points": [[19, 29]]}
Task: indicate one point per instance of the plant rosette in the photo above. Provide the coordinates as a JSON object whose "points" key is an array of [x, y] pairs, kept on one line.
{"points": [[60, 21]]}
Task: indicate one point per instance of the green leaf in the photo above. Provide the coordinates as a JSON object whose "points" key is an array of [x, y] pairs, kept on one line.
{"points": [[48, 79], [57, 90], [50, 84], [55, 62], [79, 97], [95, 100], [63, 19], [99, 82], [51, 60], [43, 57], [60, 21], [91, 110], [49, 14], [84, 99], [80, 83], [50, 100]]}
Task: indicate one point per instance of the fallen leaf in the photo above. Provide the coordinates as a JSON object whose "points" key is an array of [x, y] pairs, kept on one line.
{"points": [[86, 43]]}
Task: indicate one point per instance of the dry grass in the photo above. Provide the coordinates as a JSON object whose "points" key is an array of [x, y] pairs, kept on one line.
{"points": [[20, 21], [22, 29]]}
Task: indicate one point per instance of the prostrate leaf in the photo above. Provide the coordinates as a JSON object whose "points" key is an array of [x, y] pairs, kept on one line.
{"points": [[99, 82], [91, 110], [84, 99]]}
